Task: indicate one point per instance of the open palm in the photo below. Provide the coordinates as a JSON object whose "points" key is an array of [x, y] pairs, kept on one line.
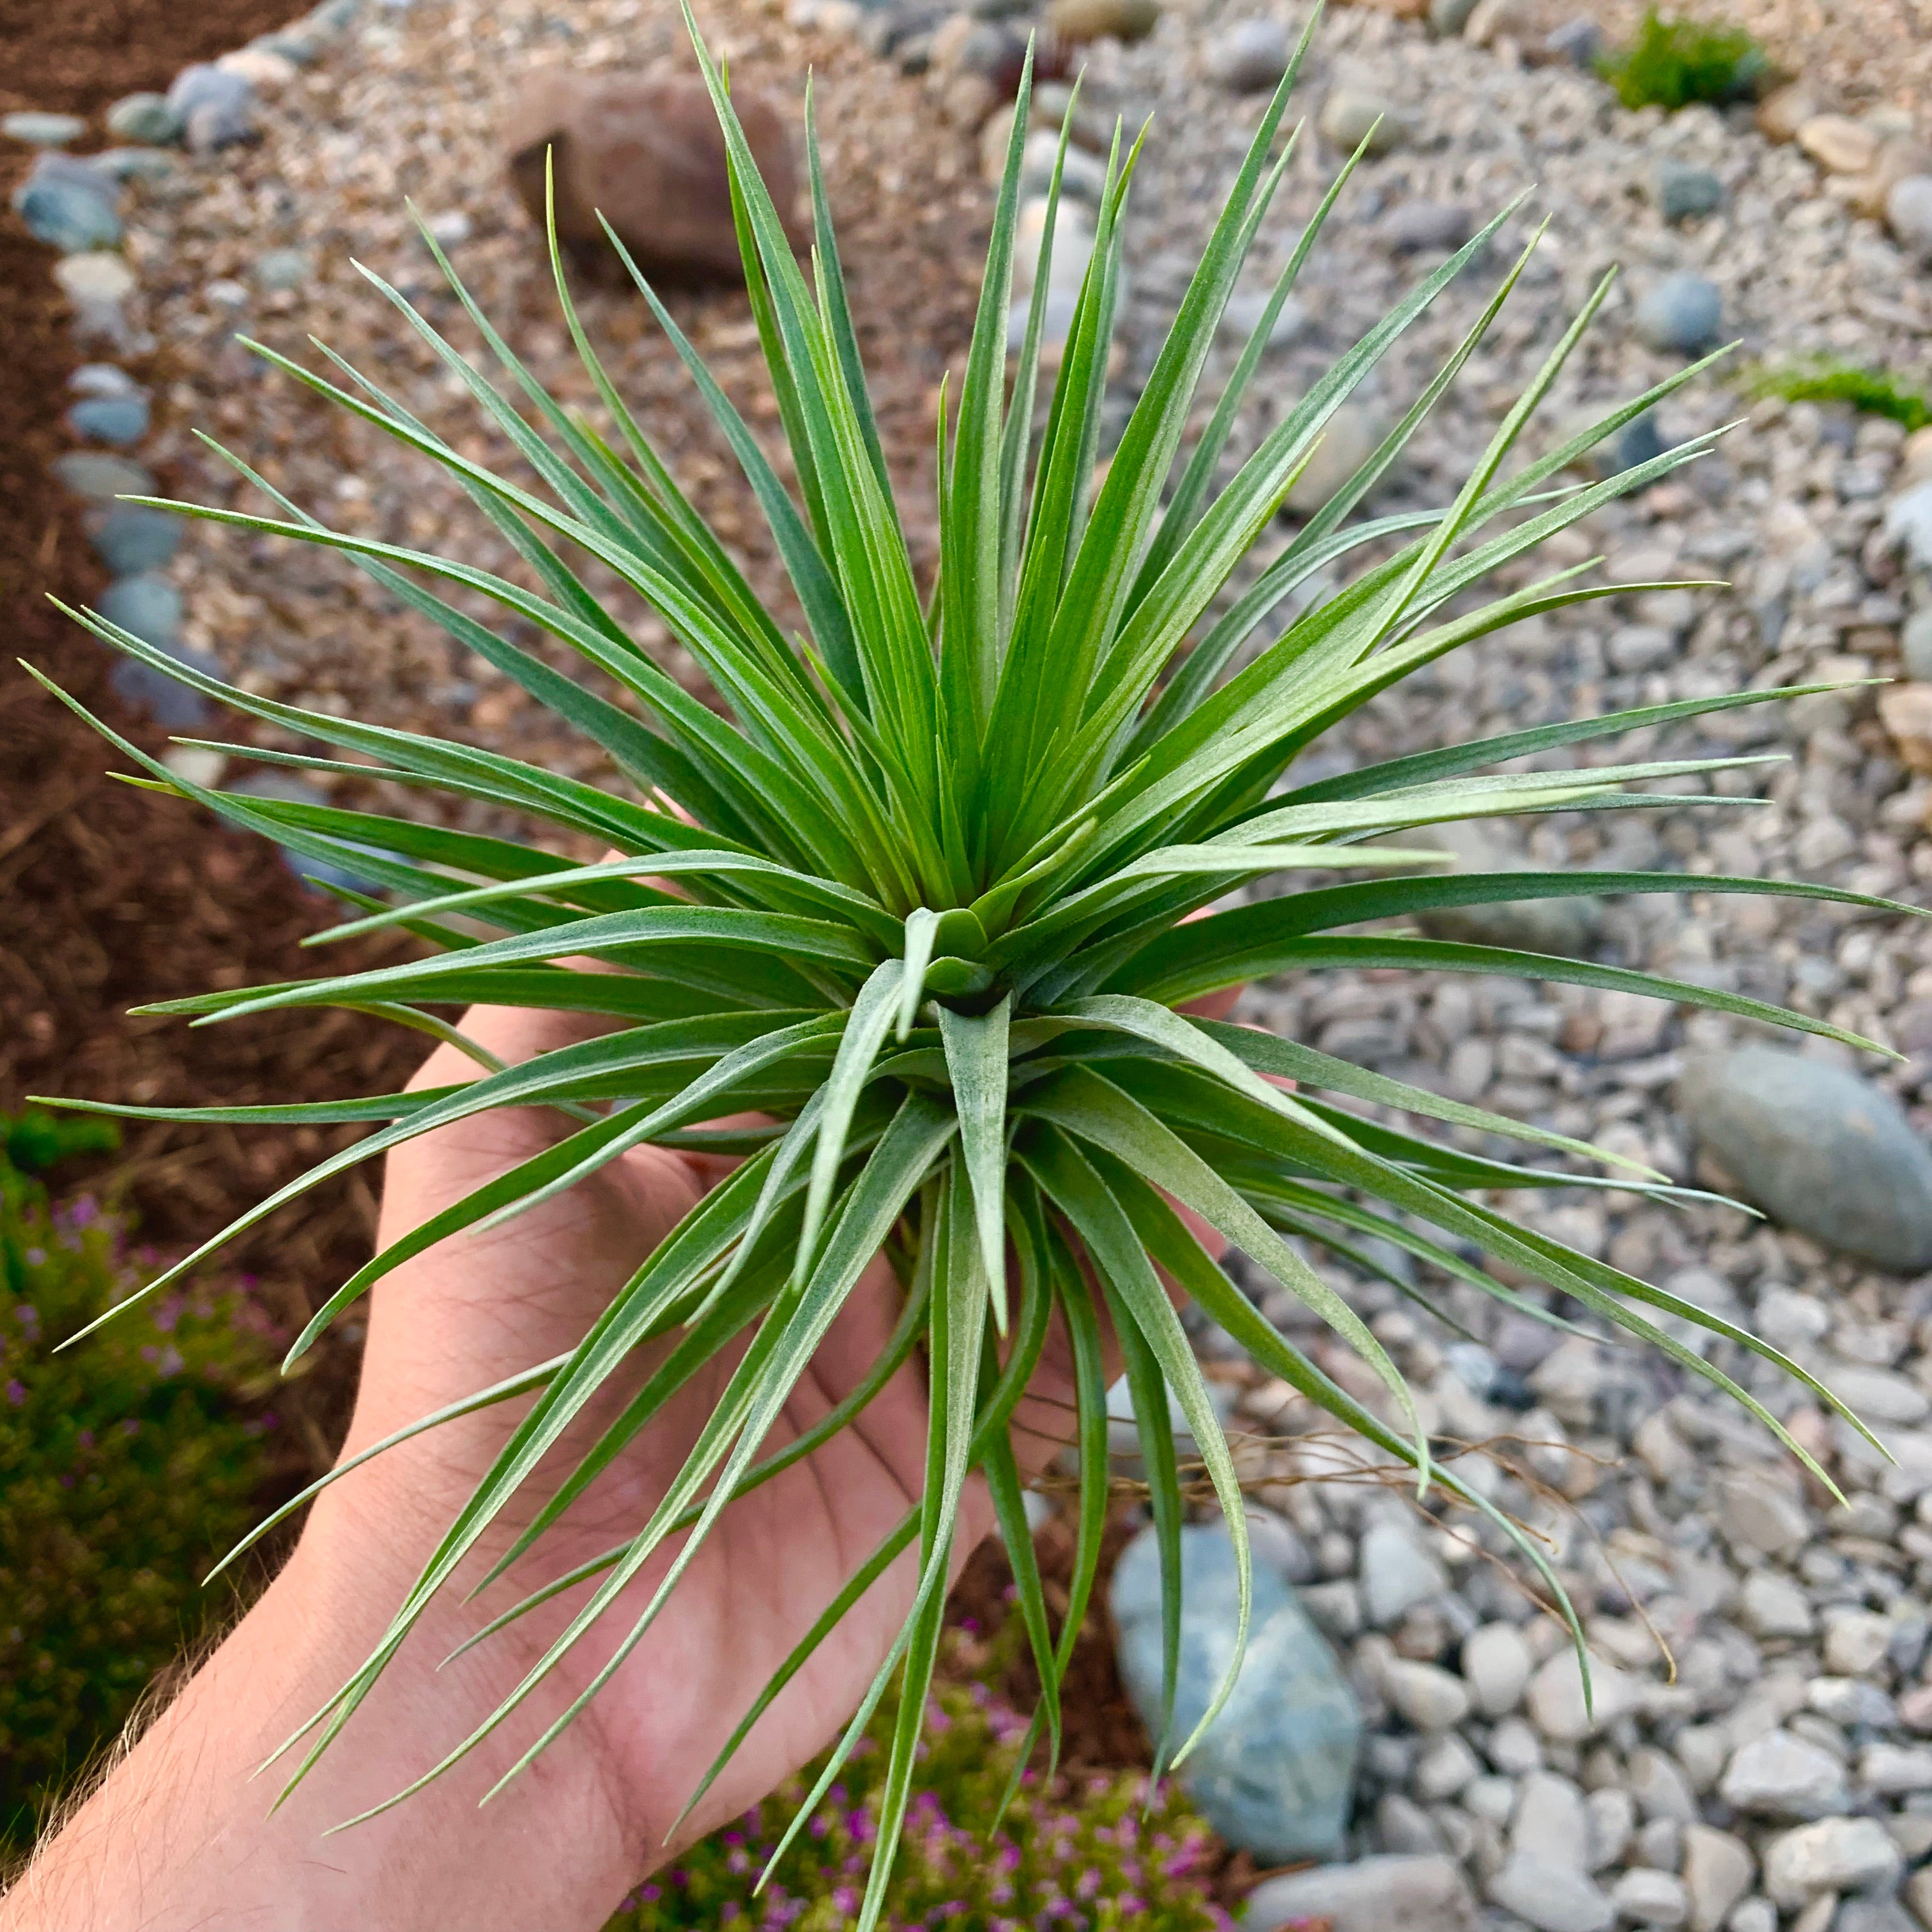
{"points": [[476, 1309]]}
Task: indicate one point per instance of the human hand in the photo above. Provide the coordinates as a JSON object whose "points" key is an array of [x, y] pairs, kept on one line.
{"points": [[177, 1838]]}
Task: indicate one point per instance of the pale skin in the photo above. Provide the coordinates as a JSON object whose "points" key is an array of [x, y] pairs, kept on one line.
{"points": [[177, 1838]]}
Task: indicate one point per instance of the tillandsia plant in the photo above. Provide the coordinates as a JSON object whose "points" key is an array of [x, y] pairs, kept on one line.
{"points": [[930, 892]]}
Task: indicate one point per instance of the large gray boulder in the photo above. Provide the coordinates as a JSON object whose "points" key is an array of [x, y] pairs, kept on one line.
{"points": [[1817, 1148]]}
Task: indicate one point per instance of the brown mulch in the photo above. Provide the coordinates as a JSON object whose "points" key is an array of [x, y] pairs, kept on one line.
{"points": [[109, 896], [75, 56]]}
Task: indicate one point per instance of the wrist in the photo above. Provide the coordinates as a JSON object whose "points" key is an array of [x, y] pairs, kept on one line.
{"points": [[181, 1834]]}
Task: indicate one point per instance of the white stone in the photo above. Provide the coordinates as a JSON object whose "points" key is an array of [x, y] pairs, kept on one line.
{"points": [[1772, 1605], [1613, 1822], [1908, 522], [1557, 1706], [1445, 1768], [1834, 1854], [1646, 1897], [94, 277], [1428, 1696], [1917, 1892], [1552, 1822], [1856, 1642], [1515, 1749], [1762, 1515], [1550, 1898], [1895, 1769], [262, 67], [1397, 1575], [1660, 1789], [1717, 1871], [1418, 1894], [1072, 247], [1496, 1664], [1908, 214], [1878, 1396], [1781, 1776]]}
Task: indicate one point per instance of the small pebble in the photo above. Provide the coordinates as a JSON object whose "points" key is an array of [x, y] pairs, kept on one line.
{"points": [[1684, 191], [118, 420], [1351, 115], [1415, 225], [1683, 313], [38, 129], [146, 121], [1908, 214], [278, 270], [130, 537], [68, 204], [1580, 42], [89, 473], [1250, 56], [95, 276], [146, 603]]}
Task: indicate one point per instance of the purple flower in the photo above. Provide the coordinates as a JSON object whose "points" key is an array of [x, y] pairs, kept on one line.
{"points": [[16, 1392]]}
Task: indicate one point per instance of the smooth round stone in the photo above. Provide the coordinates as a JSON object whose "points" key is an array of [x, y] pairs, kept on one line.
{"points": [[172, 705], [1250, 56], [1684, 191], [94, 277], [1579, 42], [1908, 214], [331, 17], [148, 604], [39, 129], [1915, 641], [68, 204], [287, 787], [1449, 17], [119, 421], [99, 478], [259, 67], [278, 270], [1351, 115], [1820, 1149], [146, 121], [300, 49], [1414, 226], [126, 164], [103, 379], [216, 106], [130, 537], [1079, 20], [1275, 1773], [204, 84], [1639, 441], [1683, 314]]}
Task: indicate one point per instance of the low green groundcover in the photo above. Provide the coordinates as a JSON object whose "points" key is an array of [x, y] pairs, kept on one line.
{"points": [[126, 1469], [1073, 1855], [1671, 63]]}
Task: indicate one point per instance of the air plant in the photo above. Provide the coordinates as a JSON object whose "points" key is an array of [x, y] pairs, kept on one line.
{"points": [[932, 889]]}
